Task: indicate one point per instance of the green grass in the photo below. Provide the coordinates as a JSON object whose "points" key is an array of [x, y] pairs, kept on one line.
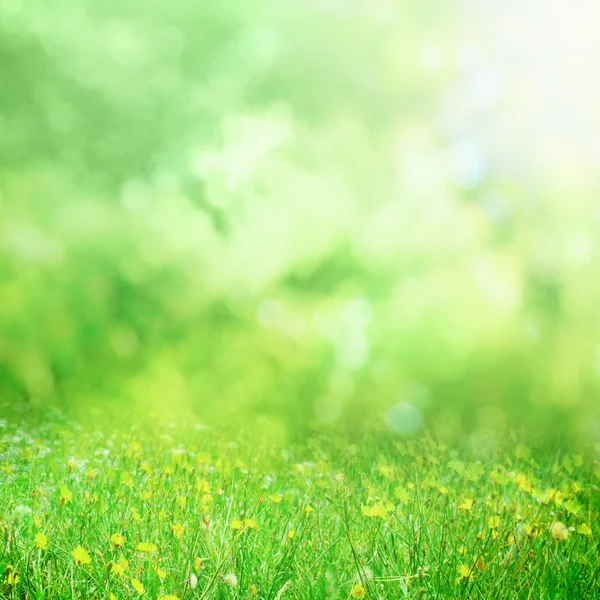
{"points": [[249, 517]]}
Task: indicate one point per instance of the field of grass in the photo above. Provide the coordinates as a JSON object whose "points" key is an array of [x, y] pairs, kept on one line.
{"points": [[182, 511]]}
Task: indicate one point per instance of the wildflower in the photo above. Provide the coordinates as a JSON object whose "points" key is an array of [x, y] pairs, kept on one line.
{"points": [[181, 500], [236, 525], [177, 530], [467, 504], [253, 589], [146, 547], [159, 572], [12, 578], [41, 541], [494, 522], [192, 581], [291, 534], [91, 474], [197, 563], [231, 580], [65, 496], [358, 591], [584, 529], [531, 531], [80, 556], [119, 567], [308, 509], [559, 531], [135, 515], [465, 572], [117, 540], [380, 509], [275, 499], [250, 523], [138, 586]]}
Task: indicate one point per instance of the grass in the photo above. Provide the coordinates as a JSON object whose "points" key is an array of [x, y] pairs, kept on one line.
{"points": [[121, 511]]}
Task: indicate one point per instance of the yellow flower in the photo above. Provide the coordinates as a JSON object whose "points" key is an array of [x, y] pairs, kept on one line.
{"points": [[65, 496], [494, 522], [275, 499], [161, 574], [308, 509], [138, 586], [465, 572], [559, 531], [41, 541], [120, 566], [135, 515], [146, 547], [584, 529], [250, 523], [181, 502], [117, 540], [467, 504], [358, 591], [177, 530], [12, 578], [236, 525], [197, 563], [380, 509], [291, 534], [168, 597], [80, 556]]}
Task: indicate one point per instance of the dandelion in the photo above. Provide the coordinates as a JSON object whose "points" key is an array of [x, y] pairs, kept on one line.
{"points": [[291, 534], [197, 563], [135, 515], [358, 591], [584, 529], [41, 541], [138, 586], [177, 530], [119, 567], [117, 540], [494, 522], [559, 531], [12, 578], [65, 496], [275, 499], [231, 580], [159, 572], [80, 556], [467, 504], [465, 572], [236, 525], [146, 547], [250, 523], [192, 581]]}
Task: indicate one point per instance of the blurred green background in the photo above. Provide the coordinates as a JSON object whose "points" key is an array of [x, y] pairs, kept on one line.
{"points": [[309, 212]]}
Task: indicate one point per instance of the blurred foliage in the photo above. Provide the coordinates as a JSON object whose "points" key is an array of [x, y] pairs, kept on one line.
{"points": [[294, 210]]}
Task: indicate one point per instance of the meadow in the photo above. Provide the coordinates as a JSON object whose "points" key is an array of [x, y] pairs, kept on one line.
{"points": [[299, 300], [179, 510]]}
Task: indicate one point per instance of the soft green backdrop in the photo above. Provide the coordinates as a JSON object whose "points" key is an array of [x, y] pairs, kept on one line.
{"points": [[308, 211]]}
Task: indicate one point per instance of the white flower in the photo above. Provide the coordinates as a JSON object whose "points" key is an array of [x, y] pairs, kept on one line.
{"points": [[231, 580]]}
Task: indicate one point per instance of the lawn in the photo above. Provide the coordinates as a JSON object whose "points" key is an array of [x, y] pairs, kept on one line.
{"points": [[184, 511]]}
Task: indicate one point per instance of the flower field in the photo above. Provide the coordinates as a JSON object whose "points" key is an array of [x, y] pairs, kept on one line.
{"points": [[182, 511]]}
